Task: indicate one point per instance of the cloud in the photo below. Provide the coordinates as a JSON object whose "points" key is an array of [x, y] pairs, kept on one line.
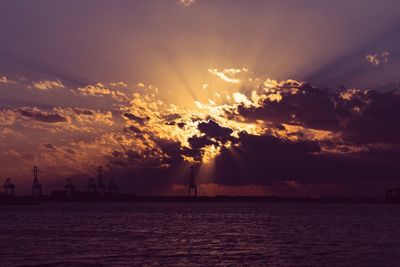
{"points": [[118, 84], [213, 129], [4, 79], [241, 99], [47, 84], [266, 158], [61, 120], [99, 90], [36, 114], [378, 59], [345, 121], [132, 117], [287, 132], [7, 117], [307, 106], [186, 3], [49, 147], [86, 117], [369, 117], [227, 75]]}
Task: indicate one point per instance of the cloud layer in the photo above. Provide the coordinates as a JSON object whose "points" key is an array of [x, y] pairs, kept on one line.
{"points": [[270, 134]]}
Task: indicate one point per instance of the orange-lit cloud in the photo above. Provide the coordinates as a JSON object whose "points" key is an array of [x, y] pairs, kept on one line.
{"points": [[230, 136], [118, 84], [99, 90], [227, 75], [186, 3], [378, 59], [4, 79], [47, 85]]}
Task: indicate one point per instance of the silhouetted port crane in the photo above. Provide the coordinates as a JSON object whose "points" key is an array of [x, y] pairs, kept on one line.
{"points": [[112, 186], [69, 187], [101, 187], [91, 187], [192, 183], [36, 187], [393, 193], [9, 188]]}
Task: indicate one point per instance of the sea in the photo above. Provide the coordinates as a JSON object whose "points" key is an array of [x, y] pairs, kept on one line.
{"points": [[200, 234]]}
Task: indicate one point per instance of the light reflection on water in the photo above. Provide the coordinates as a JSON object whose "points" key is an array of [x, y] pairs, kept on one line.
{"points": [[200, 234]]}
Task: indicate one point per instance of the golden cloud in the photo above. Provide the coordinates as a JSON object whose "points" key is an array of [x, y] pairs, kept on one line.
{"points": [[47, 84], [99, 90]]}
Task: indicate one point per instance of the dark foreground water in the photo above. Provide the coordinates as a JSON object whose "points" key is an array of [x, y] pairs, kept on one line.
{"points": [[200, 234]]}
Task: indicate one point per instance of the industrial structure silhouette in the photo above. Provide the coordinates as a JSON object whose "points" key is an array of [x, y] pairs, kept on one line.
{"points": [[93, 188], [393, 195], [101, 187], [8, 188], [36, 187], [69, 187], [192, 183], [99, 190]]}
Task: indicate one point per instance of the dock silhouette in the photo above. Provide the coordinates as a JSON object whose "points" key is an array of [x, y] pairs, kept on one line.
{"points": [[98, 191]]}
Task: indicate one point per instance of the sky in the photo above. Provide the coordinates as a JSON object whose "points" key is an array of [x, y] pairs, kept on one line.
{"points": [[285, 98]]}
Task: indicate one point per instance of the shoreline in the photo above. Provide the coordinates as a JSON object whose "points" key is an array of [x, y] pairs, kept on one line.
{"points": [[115, 197]]}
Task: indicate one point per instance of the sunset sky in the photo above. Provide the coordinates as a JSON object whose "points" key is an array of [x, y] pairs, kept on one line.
{"points": [[287, 98]]}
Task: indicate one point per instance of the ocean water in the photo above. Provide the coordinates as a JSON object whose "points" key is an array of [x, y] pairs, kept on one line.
{"points": [[200, 234]]}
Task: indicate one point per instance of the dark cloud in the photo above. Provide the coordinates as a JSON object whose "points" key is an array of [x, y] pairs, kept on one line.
{"points": [[138, 119], [117, 158], [366, 149], [173, 151], [70, 151], [133, 129], [132, 155], [172, 117], [365, 146], [309, 106], [27, 156], [267, 159], [361, 116], [41, 116], [197, 143], [86, 112], [377, 120], [213, 129], [149, 181], [362, 119], [49, 147]]}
